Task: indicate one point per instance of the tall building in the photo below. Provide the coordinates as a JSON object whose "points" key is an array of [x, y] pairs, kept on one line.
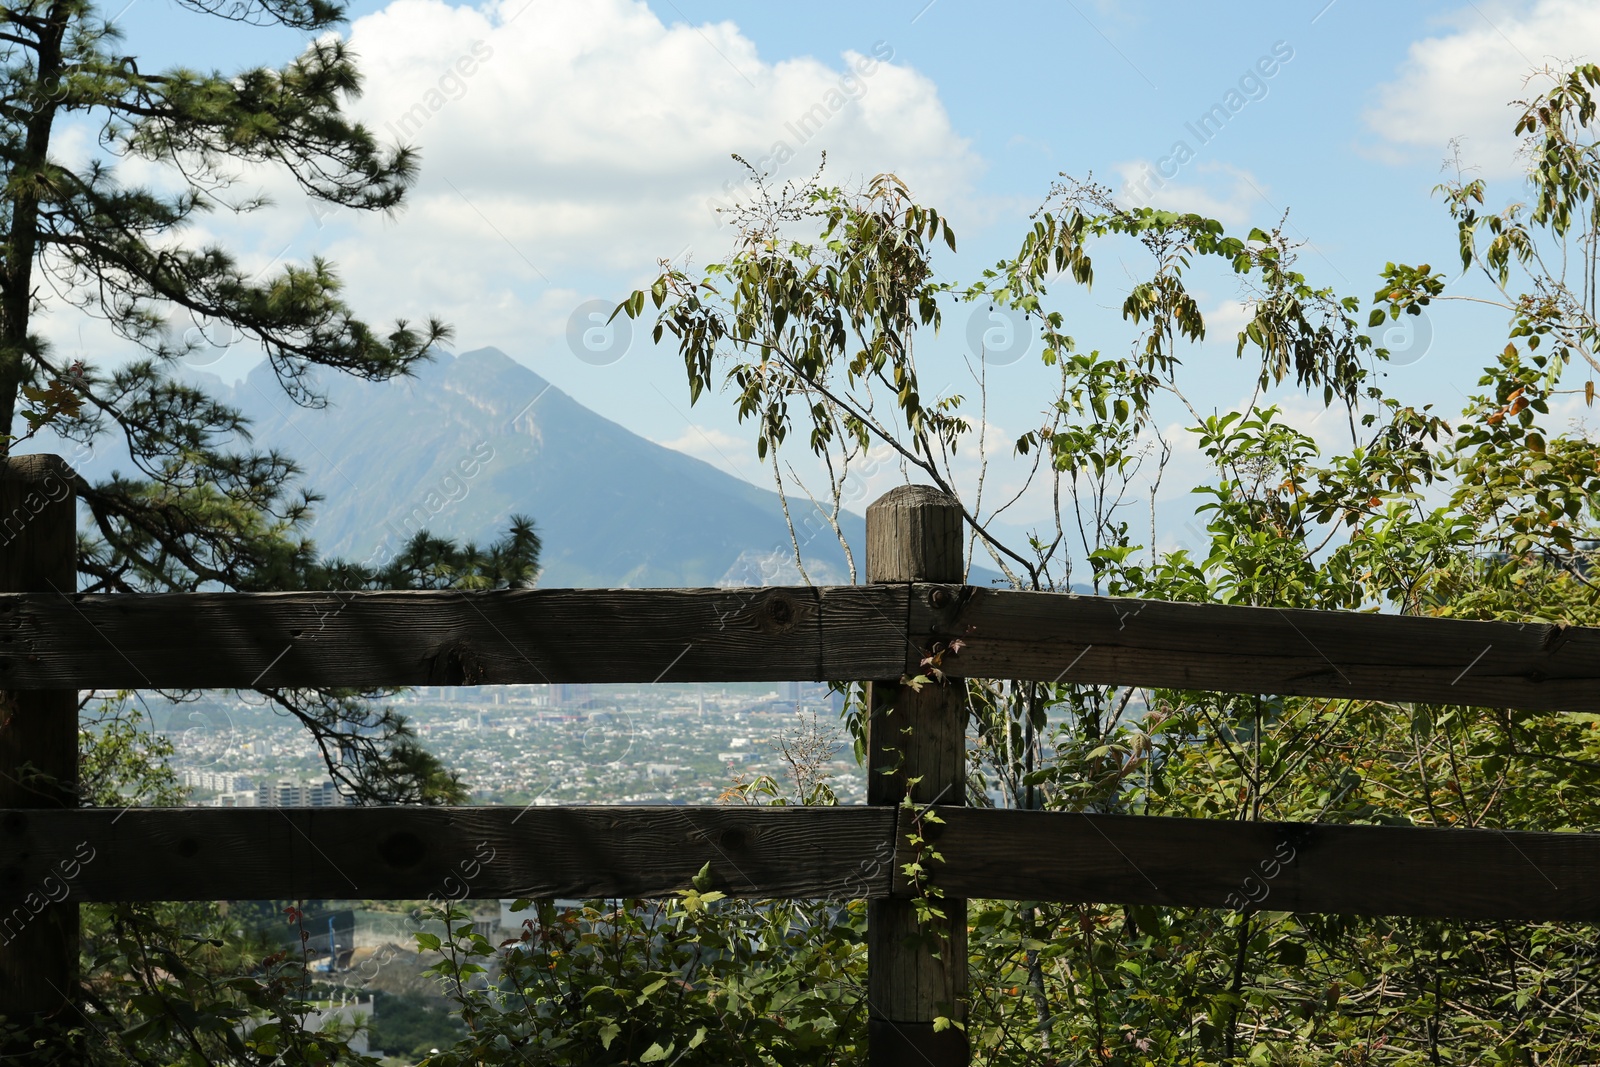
{"points": [[219, 781], [571, 695], [288, 793]]}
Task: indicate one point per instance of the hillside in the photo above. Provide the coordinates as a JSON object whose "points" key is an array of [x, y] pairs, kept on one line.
{"points": [[473, 439]]}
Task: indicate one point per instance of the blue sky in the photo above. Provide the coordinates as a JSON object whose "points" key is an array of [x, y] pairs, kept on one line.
{"points": [[589, 141]]}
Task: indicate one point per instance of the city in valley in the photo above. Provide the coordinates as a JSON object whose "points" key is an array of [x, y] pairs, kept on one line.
{"points": [[518, 745], [531, 744]]}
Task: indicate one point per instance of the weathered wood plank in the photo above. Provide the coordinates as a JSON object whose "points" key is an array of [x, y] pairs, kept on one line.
{"points": [[916, 749], [222, 640], [38, 730], [449, 853], [411, 853], [1057, 637], [1360, 870]]}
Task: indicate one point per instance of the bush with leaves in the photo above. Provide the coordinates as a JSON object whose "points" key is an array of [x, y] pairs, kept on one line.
{"points": [[693, 979], [696, 979], [170, 983], [814, 324]]}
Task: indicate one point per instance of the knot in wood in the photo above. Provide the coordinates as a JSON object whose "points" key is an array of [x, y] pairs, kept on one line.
{"points": [[402, 850], [457, 664], [1555, 636], [1297, 836], [778, 613]]}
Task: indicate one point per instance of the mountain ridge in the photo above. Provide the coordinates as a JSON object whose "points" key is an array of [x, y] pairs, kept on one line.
{"points": [[472, 439]]}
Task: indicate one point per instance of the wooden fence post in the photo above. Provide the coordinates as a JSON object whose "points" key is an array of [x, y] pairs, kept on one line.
{"points": [[916, 975], [38, 737]]}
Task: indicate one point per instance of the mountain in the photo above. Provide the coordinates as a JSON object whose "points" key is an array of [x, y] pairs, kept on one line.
{"points": [[473, 439]]}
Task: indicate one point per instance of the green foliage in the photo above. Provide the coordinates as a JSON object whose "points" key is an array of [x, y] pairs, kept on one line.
{"points": [[1491, 515], [411, 1025], [813, 321], [694, 980], [170, 983], [200, 507]]}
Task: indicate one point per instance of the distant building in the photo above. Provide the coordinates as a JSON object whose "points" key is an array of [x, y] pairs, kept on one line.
{"points": [[218, 781], [571, 695], [244, 798], [288, 793]]}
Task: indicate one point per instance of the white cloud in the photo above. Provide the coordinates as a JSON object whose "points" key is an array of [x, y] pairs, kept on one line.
{"points": [[1227, 319], [572, 143], [736, 455], [566, 146], [1216, 190], [1458, 84]]}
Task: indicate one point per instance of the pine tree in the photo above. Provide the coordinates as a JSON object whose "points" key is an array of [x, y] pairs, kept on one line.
{"points": [[202, 507]]}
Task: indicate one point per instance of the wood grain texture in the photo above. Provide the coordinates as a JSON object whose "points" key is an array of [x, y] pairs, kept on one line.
{"points": [[916, 747], [1062, 637], [914, 535], [224, 640], [38, 724], [1300, 867], [416, 853]]}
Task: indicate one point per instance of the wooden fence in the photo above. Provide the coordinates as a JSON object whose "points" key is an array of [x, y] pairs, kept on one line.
{"points": [[54, 642]]}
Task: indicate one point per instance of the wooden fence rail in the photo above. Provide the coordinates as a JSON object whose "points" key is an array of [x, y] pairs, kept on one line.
{"points": [[223, 640], [55, 642], [446, 853], [841, 853]]}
